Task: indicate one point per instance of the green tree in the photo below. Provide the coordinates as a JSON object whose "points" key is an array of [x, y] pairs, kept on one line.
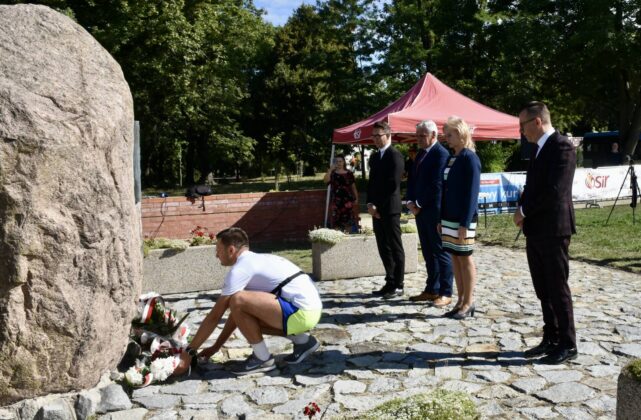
{"points": [[188, 65], [311, 85]]}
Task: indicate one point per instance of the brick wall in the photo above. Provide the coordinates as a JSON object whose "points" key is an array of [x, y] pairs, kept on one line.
{"points": [[266, 217]]}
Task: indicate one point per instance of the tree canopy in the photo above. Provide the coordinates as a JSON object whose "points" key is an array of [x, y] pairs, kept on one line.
{"points": [[217, 88]]}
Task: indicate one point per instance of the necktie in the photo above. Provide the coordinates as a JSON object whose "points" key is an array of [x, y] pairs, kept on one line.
{"points": [[535, 149]]}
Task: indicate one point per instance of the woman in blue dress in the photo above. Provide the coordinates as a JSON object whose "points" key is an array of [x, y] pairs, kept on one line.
{"points": [[462, 179]]}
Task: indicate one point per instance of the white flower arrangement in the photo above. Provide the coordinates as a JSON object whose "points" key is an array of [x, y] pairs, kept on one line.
{"points": [[327, 236], [163, 367], [332, 237], [160, 338], [133, 376]]}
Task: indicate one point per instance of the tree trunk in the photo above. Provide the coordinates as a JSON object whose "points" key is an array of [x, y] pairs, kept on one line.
{"points": [[190, 160], [426, 39], [276, 177], [204, 164], [634, 129]]}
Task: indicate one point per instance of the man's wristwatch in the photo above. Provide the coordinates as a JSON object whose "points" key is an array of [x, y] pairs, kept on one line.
{"points": [[194, 356]]}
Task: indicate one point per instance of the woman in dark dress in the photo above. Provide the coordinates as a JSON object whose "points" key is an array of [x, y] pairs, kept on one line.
{"points": [[462, 179], [344, 195]]}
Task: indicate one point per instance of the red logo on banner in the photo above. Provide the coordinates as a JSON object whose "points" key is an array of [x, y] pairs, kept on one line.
{"points": [[490, 182], [599, 181]]}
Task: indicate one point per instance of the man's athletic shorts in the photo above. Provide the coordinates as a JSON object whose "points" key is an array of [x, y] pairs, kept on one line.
{"points": [[296, 320]]}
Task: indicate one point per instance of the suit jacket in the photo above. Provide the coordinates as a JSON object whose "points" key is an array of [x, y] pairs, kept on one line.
{"points": [[425, 185], [546, 200], [384, 187], [461, 192]]}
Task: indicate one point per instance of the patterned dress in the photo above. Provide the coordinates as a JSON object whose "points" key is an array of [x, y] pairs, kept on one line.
{"points": [[342, 201], [450, 225]]}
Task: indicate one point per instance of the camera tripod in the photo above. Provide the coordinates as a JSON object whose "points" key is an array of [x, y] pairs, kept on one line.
{"points": [[634, 186]]}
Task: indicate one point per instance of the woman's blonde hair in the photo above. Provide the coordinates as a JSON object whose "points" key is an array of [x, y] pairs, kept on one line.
{"points": [[460, 126]]}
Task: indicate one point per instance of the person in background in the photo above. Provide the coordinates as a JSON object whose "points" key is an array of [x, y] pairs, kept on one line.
{"points": [[384, 205], [344, 195], [616, 157], [424, 196], [462, 181], [546, 215], [409, 162]]}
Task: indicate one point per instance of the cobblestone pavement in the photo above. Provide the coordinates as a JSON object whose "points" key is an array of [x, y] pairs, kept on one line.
{"points": [[375, 350]]}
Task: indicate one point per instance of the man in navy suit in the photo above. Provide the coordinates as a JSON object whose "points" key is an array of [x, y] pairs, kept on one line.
{"points": [[546, 215], [384, 205], [424, 193]]}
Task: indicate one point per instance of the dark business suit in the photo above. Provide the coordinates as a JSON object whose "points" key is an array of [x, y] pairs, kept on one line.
{"points": [[384, 192], [425, 189], [549, 222]]}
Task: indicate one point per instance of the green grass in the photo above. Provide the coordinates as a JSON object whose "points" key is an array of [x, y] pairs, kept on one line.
{"points": [[249, 186], [635, 369], [300, 253], [617, 245], [436, 405]]}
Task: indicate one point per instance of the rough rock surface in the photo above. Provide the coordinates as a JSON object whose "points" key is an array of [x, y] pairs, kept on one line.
{"points": [[70, 254]]}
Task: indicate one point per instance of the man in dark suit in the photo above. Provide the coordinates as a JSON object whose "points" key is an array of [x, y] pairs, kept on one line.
{"points": [[424, 192], [384, 205], [546, 216]]}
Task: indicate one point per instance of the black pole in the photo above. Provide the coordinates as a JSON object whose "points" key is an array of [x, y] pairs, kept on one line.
{"points": [[485, 210], [618, 194], [635, 192]]}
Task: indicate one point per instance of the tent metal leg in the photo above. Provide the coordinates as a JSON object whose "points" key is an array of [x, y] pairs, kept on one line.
{"points": [[329, 189]]}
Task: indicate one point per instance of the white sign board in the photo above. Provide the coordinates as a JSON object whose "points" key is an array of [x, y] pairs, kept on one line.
{"points": [[601, 183]]}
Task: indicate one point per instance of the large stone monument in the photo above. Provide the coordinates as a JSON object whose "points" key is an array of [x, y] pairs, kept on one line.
{"points": [[70, 247]]}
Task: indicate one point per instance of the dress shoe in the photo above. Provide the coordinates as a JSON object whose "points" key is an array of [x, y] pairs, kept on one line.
{"points": [[424, 297], [545, 347], [560, 355], [384, 290], [442, 301], [462, 315], [393, 293], [451, 312]]}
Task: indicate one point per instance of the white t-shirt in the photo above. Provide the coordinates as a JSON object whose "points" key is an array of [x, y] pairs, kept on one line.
{"points": [[263, 272]]}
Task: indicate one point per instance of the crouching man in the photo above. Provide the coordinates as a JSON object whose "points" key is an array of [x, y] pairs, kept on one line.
{"points": [[265, 294]]}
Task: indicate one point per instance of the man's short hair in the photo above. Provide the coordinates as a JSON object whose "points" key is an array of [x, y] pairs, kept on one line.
{"points": [[428, 125], [383, 125], [233, 236], [535, 109]]}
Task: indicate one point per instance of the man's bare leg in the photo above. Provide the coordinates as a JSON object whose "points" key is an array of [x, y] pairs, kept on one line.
{"points": [[255, 312]]}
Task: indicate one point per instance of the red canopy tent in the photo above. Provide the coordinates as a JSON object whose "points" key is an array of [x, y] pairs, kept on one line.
{"points": [[431, 99]]}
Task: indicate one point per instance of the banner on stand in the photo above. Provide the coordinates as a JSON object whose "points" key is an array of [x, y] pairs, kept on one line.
{"points": [[499, 192]]}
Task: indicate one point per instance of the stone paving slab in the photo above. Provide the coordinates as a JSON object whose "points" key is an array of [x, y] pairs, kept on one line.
{"points": [[374, 350]]}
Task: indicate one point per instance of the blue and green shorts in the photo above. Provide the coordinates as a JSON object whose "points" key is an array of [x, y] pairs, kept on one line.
{"points": [[296, 320]]}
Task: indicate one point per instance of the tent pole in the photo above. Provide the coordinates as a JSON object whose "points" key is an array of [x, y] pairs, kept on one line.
{"points": [[329, 188]]}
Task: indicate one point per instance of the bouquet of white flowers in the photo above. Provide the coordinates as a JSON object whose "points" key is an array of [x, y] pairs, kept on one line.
{"points": [[157, 340]]}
